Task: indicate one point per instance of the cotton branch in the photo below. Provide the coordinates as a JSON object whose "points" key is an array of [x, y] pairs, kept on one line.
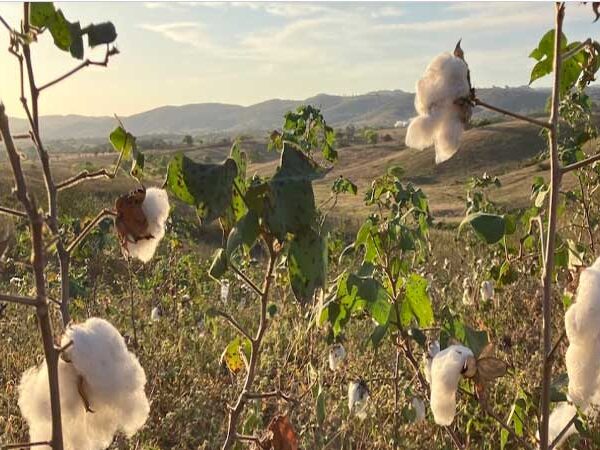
{"points": [[234, 323], [539, 123], [85, 175], [109, 52], [28, 445], [12, 212], [88, 228], [580, 164], [29, 301]]}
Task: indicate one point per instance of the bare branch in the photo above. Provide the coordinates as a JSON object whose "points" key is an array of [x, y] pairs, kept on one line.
{"points": [[29, 301], [556, 345], [109, 52], [234, 323], [19, 136], [272, 394], [580, 164], [5, 23], [85, 175], [27, 445], [12, 212], [539, 123], [88, 228]]}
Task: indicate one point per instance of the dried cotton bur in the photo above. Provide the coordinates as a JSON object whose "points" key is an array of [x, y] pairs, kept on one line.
{"points": [[101, 387], [582, 321], [358, 397], [141, 219], [483, 370], [443, 106], [337, 355]]}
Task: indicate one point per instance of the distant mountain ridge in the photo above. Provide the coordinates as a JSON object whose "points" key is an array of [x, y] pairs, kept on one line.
{"points": [[376, 109]]}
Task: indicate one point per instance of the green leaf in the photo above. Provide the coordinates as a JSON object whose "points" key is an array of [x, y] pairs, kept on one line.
{"points": [[344, 185], [366, 293], [76, 47], [137, 167], [307, 264], [208, 187], [219, 265], [320, 406], [237, 209], [292, 201], [476, 340], [490, 227], [41, 14], [416, 302], [122, 141], [378, 334], [101, 33], [243, 234]]}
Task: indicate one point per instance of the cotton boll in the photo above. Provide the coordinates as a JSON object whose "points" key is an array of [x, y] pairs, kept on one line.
{"points": [[421, 131], [583, 368], [156, 209], [156, 314], [582, 318], [558, 420], [358, 396], [447, 134], [337, 355], [446, 368], [419, 408], [224, 290], [487, 291], [433, 349], [468, 297]]}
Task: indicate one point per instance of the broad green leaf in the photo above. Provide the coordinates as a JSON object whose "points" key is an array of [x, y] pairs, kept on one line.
{"points": [[237, 209], [344, 185], [122, 141], [206, 186], [243, 234], [490, 227], [378, 334], [60, 29], [101, 33], [416, 302], [307, 264], [137, 167], [41, 14], [235, 353], [292, 201], [320, 406], [366, 293], [219, 265], [76, 47]]}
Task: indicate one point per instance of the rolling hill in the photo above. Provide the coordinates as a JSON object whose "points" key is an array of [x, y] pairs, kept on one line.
{"points": [[376, 109]]}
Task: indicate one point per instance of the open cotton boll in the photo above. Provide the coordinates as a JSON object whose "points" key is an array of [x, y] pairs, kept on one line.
{"points": [[446, 368], [358, 396], [224, 290], [337, 355], [583, 316], [156, 314], [486, 290], [419, 408], [114, 378], [558, 420], [583, 368], [440, 121], [156, 209]]}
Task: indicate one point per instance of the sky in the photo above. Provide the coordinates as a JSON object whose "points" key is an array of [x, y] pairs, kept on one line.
{"points": [[243, 53]]}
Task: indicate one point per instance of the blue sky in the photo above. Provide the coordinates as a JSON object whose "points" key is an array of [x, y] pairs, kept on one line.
{"points": [[243, 53]]}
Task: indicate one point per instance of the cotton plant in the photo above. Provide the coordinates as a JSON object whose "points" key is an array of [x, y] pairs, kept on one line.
{"points": [[358, 397], [442, 104], [337, 355], [583, 354], [141, 219], [101, 386], [446, 369]]}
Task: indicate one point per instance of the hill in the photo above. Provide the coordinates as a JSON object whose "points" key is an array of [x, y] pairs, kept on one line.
{"points": [[376, 109]]}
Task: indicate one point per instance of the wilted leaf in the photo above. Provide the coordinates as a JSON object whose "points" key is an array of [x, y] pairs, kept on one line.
{"points": [[280, 435], [307, 264], [206, 186], [235, 353], [101, 33], [131, 222], [490, 368]]}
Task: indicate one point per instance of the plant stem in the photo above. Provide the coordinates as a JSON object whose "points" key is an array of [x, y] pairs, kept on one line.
{"points": [[29, 301], [12, 212], [234, 323], [539, 123], [236, 411], [36, 222], [88, 228], [580, 164], [547, 276]]}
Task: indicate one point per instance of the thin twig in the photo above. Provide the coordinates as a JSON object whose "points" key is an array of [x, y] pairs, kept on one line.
{"points": [[29, 444], [29, 301], [272, 394], [88, 228], [562, 433], [85, 175], [234, 323], [247, 280], [580, 164], [83, 65], [539, 123], [556, 345], [575, 50], [12, 212], [19, 136]]}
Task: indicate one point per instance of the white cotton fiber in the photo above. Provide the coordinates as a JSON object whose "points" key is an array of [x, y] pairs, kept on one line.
{"points": [[486, 290], [559, 419], [337, 355], [156, 209], [433, 349], [582, 321], [358, 396], [113, 383], [440, 121], [446, 368], [419, 408]]}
